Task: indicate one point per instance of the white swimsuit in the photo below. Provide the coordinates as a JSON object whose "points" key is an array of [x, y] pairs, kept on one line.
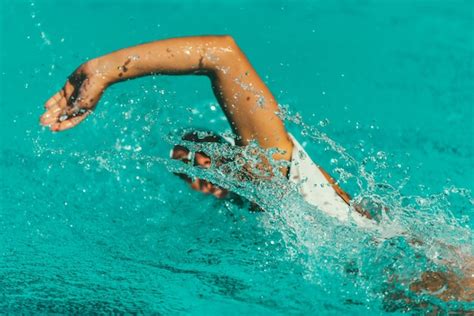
{"points": [[313, 186], [316, 189]]}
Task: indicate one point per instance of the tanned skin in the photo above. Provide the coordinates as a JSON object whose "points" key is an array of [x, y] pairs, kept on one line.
{"points": [[247, 102]]}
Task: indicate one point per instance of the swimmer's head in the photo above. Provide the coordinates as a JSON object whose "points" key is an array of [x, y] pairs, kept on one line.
{"points": [[199, 159]]}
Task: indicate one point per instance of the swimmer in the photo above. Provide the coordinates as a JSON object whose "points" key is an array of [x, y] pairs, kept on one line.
{"points": [[250, 108], [247, 102]]}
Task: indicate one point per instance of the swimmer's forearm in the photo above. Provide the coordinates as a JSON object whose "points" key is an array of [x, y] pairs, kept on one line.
{"points": [[247, 102], [187, 55]]}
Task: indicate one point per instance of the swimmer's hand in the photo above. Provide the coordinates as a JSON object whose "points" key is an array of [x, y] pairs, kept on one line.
{"points": [[448, 285], [76, 100]]}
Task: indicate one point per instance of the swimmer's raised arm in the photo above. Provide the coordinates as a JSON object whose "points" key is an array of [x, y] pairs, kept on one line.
{"points": [[247, 102]]}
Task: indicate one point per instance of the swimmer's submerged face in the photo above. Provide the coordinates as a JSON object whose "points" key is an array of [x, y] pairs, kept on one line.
{"points": [[201, 160]]}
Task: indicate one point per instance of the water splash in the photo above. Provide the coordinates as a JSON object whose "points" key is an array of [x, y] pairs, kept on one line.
{"points": [[413, 233]]}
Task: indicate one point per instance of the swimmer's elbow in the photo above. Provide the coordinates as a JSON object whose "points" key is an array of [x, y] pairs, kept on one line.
{"points": [[228, 52], [228, 46], [228, 40]]}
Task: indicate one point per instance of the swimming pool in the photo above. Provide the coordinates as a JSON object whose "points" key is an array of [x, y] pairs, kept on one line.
{"points": [[92, 220]]}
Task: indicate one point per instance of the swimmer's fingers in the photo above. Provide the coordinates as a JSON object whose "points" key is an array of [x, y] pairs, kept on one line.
{"points": [[54, 99], [60, 112], [61, 97], [69, 122], [56, 105], [51, 115], [73, 114]]}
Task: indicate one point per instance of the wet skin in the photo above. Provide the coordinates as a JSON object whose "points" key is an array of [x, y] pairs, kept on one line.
{"points": [[238, 88]]}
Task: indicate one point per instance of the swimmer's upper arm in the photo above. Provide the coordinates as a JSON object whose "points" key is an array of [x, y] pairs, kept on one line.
{"points": [[249, 105]]}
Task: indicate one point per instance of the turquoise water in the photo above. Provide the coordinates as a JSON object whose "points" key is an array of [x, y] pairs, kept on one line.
{"points": [[91, 220]]}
